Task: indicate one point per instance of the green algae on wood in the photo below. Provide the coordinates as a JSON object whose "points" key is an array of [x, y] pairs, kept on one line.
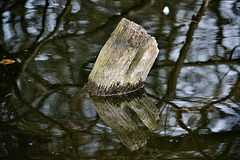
{"points": [[124, 61]]}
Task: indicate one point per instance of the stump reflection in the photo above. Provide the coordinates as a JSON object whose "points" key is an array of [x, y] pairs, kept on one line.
{"points": [[125, 114]]}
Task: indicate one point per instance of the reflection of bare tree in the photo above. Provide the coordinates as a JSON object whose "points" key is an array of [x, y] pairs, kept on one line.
{"points": [[200, 63], [172, 82], [42, 122], [36, 46], [49, 117], [183, 52], [114, 19]]}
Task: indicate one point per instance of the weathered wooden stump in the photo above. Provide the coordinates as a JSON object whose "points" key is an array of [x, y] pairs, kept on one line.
{"points": [[124, 61]]}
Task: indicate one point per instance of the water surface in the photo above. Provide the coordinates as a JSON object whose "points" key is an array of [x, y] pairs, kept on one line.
{"points": [[189, 107]]}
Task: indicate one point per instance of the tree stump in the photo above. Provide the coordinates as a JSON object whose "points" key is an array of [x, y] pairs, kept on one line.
{"points": [[124, 61]]}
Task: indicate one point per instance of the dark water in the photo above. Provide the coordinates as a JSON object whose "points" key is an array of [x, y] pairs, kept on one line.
{"points": [[188, 109]]}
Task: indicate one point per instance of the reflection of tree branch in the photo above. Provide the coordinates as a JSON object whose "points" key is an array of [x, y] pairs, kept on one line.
{"points": [[36, 47], [43, 21], [113, 19], [46, 85], [204, 110], [182, 125], [172, 82], [24, 27], [219, 22], [199, 64], [183, 52], [194, 138], [232, 51], [233, 92], [228, 61], [37, 111]]}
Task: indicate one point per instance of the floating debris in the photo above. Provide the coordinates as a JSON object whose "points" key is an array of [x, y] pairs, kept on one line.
{"points": [[166, 10], [70, 124], [9, 94], [189, 20], [7, 61], [187, 110]]}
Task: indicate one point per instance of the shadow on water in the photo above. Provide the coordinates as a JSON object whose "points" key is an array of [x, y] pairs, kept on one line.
{"points": [[188, 109]]}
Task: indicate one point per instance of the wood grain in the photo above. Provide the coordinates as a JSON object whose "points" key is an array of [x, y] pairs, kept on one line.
{"points": [[124, 61]]}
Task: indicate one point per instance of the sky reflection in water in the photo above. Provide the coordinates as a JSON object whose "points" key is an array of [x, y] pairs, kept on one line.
{"points": [[193, 86]]}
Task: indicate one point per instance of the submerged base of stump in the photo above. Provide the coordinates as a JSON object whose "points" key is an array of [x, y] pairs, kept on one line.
{"points": [[124, 61]]}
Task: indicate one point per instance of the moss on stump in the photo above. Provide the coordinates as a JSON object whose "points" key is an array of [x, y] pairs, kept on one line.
{"points": [[124, 61]]}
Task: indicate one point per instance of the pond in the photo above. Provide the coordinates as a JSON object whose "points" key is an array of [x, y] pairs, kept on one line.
{"points": [[189, 107]]}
